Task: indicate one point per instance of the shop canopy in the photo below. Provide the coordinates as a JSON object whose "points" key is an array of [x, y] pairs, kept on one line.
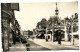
{"points": [[75, 33]]}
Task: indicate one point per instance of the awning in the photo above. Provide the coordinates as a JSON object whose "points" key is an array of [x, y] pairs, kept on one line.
{"points": [[75, 33]]}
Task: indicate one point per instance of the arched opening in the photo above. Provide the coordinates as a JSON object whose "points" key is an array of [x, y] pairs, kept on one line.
{"points": [[41, 34], [59, 34]]}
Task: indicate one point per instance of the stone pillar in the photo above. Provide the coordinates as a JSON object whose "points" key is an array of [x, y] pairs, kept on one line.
{"points": [[46, 36], [50, 37], [27, 34], [66, 35]]}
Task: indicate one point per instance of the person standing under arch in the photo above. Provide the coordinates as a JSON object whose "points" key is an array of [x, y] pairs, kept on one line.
{"points": [[59, 37]]}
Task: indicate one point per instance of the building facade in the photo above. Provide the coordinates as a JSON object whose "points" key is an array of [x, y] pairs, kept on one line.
{"points": [[68, 27], [8, 24]]}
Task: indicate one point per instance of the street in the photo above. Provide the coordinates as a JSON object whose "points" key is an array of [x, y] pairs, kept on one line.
{"points": [[22, 47], [36, 47], [17, 47], [39, 45], [54, 45]]}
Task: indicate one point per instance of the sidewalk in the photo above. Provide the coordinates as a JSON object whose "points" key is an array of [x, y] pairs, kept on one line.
{"points": [[18, 47], [51, 44]]}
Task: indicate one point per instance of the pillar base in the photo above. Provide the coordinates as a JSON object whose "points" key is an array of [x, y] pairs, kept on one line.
{"points": [[66, 39]]}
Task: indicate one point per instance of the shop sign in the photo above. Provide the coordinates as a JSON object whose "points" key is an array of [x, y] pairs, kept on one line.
{"points": [[15, 6]]}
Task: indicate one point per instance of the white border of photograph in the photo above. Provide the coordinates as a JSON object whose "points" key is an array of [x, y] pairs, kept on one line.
{"points": [[30, 1]]}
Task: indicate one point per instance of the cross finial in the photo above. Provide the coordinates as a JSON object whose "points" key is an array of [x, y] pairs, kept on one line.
{"points": [[56, 5], [56, 11]]}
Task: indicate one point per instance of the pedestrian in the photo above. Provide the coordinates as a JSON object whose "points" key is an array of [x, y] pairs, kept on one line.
{"points": [[32, 38], [73, 40], [59, 37], [59, 40], [27, 46], [70, 38], [46, 38]]}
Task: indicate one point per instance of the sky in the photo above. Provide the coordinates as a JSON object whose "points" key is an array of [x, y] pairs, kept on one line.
{"points": [[31, 13]]}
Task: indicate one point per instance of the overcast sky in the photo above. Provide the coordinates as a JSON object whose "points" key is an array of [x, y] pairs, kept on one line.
{"points": [[31, 13]]}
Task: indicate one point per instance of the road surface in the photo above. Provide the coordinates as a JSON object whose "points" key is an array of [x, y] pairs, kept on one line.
{"points": [[36, 47]]}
